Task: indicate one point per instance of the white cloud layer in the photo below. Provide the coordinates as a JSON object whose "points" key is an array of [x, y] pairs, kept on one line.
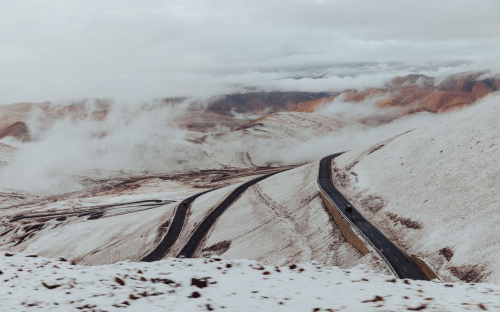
{"points": [[149, 139], [132, 49]]}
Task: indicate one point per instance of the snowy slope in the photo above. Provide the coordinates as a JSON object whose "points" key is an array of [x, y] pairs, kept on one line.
{"points": [[6, 154], [121, 234], [278, 221], [435, 191], [281, 220], [198, 211], [242, 285], [268, 140]]}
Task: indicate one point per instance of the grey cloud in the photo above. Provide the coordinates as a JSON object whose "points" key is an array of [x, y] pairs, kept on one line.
{"points": [[65, 49]]}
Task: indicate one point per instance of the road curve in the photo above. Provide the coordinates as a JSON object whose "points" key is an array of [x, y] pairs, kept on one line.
{"points": [[399, 262], [200, 232], [174, 229]]}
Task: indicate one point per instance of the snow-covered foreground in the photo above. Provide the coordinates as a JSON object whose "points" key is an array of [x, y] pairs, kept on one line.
{"points": [[435, 191], [30, 283]]}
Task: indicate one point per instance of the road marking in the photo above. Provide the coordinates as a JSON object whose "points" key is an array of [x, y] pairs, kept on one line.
{"points": [[372, 234], [387, 249], [396, 259], [404, 269], [379, 241]]}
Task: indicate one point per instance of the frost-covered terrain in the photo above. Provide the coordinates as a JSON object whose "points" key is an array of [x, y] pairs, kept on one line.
{"points": [[435, 191], [122, 232], [418, 187], [224, 285], [278, 138], [281, 225], [279, 221], [273, 224]]}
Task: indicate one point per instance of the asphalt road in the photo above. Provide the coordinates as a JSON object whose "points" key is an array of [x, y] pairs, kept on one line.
{"points": [[403, 267], [173, 231], [209, 221]]}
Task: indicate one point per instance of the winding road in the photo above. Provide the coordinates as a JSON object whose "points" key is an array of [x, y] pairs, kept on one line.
{"points": [[173, 231], [209, 221], [399, 262]]}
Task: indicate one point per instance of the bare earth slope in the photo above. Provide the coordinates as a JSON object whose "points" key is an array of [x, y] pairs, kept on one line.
{"points": [[417, 93], [435, 191]]}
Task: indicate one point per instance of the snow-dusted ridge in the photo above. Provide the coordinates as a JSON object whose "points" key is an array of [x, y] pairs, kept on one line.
{"points": [[279, 222], [282, 220], [435, 191], [231, 285]]}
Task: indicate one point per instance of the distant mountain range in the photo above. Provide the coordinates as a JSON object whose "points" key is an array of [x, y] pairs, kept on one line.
{"points": [[412, 94]]}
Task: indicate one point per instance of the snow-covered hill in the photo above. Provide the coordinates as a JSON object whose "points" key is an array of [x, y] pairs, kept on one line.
{"points": [[432, 190], [435, 191], [281, 220], [278, 221], [287, 224], [224, 285], [274, 139]]}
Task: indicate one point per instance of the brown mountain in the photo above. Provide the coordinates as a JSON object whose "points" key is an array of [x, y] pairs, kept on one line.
{"points": [[259, 102], [416, 93], [412, 93]]}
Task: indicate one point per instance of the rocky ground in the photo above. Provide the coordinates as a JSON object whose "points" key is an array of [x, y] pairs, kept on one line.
{"points": [[212, 284]]}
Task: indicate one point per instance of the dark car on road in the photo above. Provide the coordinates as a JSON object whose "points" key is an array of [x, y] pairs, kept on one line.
{"points": [[348, 208]]}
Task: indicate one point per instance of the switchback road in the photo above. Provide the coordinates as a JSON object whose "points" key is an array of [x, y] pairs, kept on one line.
{"points": [[173, 231], [400, 263], [208, 222]]}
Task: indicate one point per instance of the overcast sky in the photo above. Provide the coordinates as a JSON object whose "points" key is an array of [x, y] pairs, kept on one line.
{"points": [[57, 49]]}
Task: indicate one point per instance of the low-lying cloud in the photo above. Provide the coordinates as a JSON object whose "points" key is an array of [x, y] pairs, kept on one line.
{"points": [[151, 49], [150, 138], [138, 138]]}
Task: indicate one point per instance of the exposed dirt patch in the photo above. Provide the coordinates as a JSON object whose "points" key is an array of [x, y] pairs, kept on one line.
{"points": [[308, 199], [447, 252], [6, 232], [33, 227], [17, 130], [409, 223], [352, 164], [28, 232], [162, 230], [376, 299], [341, 177], [95, 215], [375, 148], [373, 202], [469, 273], [219, 248], [251, 124]]}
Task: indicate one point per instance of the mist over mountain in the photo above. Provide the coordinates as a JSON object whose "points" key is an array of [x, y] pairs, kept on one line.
{"points": [[298, 149]]}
